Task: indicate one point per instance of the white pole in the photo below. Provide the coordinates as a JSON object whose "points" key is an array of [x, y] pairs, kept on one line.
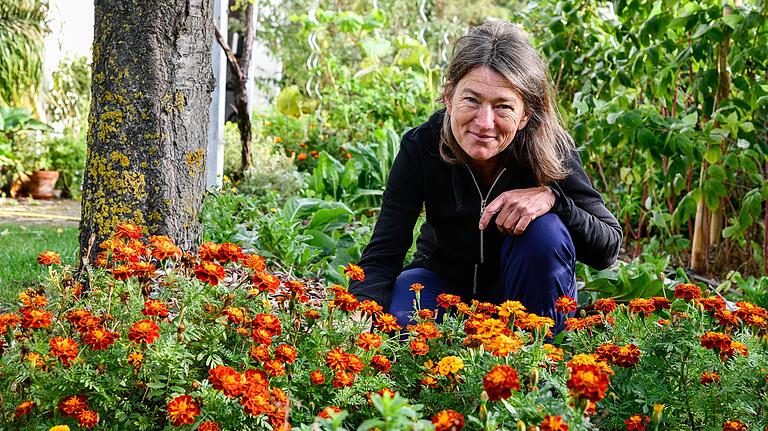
{"points": [[215, 166]]}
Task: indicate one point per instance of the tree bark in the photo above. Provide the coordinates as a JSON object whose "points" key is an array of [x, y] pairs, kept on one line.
{"points": [[151, 93]]}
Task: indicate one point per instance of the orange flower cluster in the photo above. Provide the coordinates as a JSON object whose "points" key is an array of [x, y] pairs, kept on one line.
{"points": [[709, 377], [642, 305], [587, 382], [263, 281], [637, 422], [144, 331], [734, 426], [162, 247], [25, 408], [49, 258], [342, 299], [565, 304], [500, 381], [264, 328], [723, 344], [553, 423], [33, 318], [223, 253], [448, 420], [9, 322], [625, 356], [155, 308], [208, 426], [354, 272], [589, 322], [227, 381], [99, 338], [447, 300], [687, 292], [209, 272], [183, 410], [76, 407], [605, 305], [370, 308], [65, 349], [386, 322], [368, 341]]}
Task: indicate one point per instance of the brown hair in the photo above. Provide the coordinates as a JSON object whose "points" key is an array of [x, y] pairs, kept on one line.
{"points": [[543, 145]]}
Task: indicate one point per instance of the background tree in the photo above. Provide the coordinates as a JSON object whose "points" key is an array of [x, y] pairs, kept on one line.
{"points": [[22, 29], [152, 79]]}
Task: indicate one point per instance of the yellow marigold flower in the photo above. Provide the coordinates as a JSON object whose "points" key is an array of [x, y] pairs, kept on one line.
{"points": [[449, 365], [511, 308], [59, 428]]}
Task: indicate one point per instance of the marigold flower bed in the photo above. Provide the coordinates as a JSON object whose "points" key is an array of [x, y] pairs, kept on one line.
{"points": [[213, 341]]}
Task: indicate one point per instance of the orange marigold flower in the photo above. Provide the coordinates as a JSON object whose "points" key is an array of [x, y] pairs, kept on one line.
{"points": [[317, 377], [274, 368], [446, 300], [426, 330], [590, 359], [565, 304], [419, 347], [337, 359], [588, 381], [448, 420], [183, 410], [509, 309], [162, 247], [208, 426], [555, 354], [144, 331], [371, 308], [254, 262], [449, 365], [627, 356], [687, 292], [49, 258], [153, 307], [312, 314], [9, 321], [99, 338], [229, 252], [256, 401], [343, 379], [36, 319], [208, 251], [269, 323], [135, 359], [65, 349], [607, 352], [637, 422], [265, 282], [500, 381], [530, 322], [503, 345], [429, 381], [726, 318], [386, 322], [354, 272], [143, 269], [381, 363], [553, 423], [416, 287], [329, 411], [708, 378], [712, 303], [72, 405], [262, 336], [426, 314], [121, 272], [734, 426], [87, 418], [128, 230], [642, 305], [574, 324], [24, 408], [346, 301], [661, 303], [605, 305], [368, 341], [226, 380], [715, 340], [209, 272], [285, 353], [260, 353], [235, 315]]}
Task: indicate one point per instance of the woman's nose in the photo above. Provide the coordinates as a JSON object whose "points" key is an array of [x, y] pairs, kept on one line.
{"points": [[484, 116]]}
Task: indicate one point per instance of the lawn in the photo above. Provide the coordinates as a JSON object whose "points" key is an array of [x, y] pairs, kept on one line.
{"points": [[19, 245]]}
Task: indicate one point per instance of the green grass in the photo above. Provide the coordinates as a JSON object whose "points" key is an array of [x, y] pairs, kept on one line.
{"points": [[19, 246]]}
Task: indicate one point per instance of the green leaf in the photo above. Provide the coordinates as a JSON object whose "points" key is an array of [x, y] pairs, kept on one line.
{"points": [[328, 219], [713, 155], [732, 20], [646, 138]]}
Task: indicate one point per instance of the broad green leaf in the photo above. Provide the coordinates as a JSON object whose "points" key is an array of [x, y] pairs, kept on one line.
{"points": [[732, 20], [713, 154]]}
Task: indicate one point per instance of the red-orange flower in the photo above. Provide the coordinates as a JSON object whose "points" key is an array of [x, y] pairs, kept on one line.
{"points": [[209, 272], [553, 423], [182, 410], [121, 272], [381, 363], [65, 349], [637, 422], [143, 269], [328, 411], [626, 356], [24, 408], [254, 262], [8, 321], [72, 405], [712, 303], [368, 341], [448, 420], [709, 378], [49, 258], [565, 304], [605, 305], [687, 292], [317, 377], [354, 272], [99, 338], [163, 247], [446, 300], [260, 353], [386, 322], [144, 331], [153, 307], [208, 251], [265, 282], [588, 381], [346, 301], [87, 418], [274, 368], [642, 305], [419, 347], [285, 353], [225, 379], [268, 322], [128, 231], [343, 379], [208, 426], [661, 303], [371, 308], [734, 426], [229, 252], [500, 381], [36, 319], [337, 359]]}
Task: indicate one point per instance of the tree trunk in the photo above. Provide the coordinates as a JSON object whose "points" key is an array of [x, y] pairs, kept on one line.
{"points": [[152, 83]]}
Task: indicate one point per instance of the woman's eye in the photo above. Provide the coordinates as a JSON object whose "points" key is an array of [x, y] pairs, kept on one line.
{"points": [[505, 107], [470, 99]]}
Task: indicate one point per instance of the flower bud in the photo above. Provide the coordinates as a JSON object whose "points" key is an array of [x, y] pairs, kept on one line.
{"points": [[521, 426], [658, 412]]}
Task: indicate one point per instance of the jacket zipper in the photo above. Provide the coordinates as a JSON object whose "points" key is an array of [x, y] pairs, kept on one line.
{"points": [[483, 201]]}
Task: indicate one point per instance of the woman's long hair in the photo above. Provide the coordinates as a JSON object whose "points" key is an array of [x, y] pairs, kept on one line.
{"points": [[543, 145]]}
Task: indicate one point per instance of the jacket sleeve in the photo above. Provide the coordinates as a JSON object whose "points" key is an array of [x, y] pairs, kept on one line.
{"points": [[595, 231], [403, 199]]}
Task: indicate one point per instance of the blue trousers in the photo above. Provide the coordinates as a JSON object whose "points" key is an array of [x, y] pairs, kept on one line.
{"points": [[536, 268]]}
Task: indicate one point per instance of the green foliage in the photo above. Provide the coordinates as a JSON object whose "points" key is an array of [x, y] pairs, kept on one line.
{"points": [[69, 98], [22, 29], [16, 125]]}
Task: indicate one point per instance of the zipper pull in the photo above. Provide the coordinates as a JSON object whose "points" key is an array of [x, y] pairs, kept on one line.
{"points": [[482, 207]]}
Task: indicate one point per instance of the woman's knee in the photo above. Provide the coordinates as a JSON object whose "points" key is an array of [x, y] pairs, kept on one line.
{"points": [[544, 239]]}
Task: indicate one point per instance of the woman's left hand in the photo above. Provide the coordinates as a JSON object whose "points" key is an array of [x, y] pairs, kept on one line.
{"points": [[517, 209]]}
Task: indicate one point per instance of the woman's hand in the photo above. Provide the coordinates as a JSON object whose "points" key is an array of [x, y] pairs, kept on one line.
{"points": [[517, 209]]}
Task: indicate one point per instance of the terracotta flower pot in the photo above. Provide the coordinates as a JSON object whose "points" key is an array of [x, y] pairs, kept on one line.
{"points": [[41, 184]]}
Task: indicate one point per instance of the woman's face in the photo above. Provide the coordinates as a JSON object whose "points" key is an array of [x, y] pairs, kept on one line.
{"points": [[486, 113]]}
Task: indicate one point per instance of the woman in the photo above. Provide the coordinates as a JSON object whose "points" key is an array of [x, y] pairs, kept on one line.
{"points": [[509, 208]]}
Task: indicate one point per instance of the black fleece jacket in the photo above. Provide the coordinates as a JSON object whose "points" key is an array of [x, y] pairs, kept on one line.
{"points": [[451, 243]]}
